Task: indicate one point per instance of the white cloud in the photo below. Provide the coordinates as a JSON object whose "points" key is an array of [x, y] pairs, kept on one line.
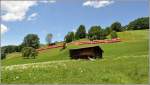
{"points": [[97, 3], [32, 17], [48, 1], [4, 29], [15, 10], [52, 1]]}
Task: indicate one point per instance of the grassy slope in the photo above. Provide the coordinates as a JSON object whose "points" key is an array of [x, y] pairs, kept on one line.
{"points": [[124, 62]]}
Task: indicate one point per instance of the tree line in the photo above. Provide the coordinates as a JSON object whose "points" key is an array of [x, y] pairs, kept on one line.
{"points": [[99, 33], [94, 33], [32, 41]]}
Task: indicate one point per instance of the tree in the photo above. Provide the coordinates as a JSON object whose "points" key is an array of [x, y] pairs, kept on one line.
{"points": [[3, 55], [29, 52], [94, 32], [64, 45], [69, 37], [49, 38], [114, 34], [107, 31], [19, 48], [124, 28], [116, 26], [139, 24], [102, 35], [31, 40], [81, 32], [10, 48]]}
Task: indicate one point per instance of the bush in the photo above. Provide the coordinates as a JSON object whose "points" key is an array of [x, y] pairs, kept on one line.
{"points": [[114, 34], [29, 52]]}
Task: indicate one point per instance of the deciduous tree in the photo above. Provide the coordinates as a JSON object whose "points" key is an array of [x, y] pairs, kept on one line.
{"points": [[69, 37], [139, 24], [94, 32], [29, 52], [116, 26], [49, 39], [31, 40], [81, 32]]}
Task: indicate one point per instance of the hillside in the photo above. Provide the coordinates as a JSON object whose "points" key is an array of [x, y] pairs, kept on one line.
{"points": [[124, 62]]}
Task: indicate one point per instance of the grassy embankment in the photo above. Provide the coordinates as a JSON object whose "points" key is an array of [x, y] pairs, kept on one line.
{"points": [[124, 62]]}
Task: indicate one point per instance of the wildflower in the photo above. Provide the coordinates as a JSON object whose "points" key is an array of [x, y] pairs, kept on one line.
{"points": [[17, 77], [24, 67], [10, 68]]}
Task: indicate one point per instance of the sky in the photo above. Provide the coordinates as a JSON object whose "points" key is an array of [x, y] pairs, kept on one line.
{"points": [[19, 18]]}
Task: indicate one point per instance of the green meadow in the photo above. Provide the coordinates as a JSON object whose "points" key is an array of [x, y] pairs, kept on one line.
{"points": [[123, 62]]}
